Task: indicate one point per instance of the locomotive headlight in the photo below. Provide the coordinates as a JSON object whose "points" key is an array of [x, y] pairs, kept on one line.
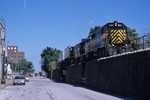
{"points": [[119, 25], [115, 24], [126, 45]]}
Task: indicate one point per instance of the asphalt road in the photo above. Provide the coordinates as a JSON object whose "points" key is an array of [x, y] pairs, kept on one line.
{"points": [[40, 88]]}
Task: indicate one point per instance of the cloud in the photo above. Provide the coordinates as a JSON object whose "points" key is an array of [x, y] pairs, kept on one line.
{"points": [[24, 4], [91, 22]]}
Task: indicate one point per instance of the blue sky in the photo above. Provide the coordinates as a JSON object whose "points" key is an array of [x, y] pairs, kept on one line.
{"points": [[33, 25]]}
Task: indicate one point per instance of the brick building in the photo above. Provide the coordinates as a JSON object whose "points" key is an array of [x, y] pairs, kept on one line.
{"points": [[13, 54]]}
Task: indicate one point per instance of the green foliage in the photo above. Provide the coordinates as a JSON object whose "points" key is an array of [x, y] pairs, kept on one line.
{"points": [[92, 30], [147, 41], [50, 56], [24, 65], [132, 34], [27, 66], [133, 38], [40, 73], [36, 74]]}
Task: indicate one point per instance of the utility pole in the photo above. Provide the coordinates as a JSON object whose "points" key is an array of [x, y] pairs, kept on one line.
{"points": [[15, 68], [12, 69], [3, 70], [3, 25]]}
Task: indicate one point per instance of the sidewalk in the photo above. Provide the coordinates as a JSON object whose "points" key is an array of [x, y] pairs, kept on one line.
{"points": [[8, 82]]}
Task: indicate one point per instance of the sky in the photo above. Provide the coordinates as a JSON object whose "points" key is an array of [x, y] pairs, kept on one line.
{"points": [[32, 25]]}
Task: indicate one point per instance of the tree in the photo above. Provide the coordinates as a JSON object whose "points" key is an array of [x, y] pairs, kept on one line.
{"points": [[13, 65], [133, 37], [24, 65], [92, 30], [50, 56], [40, 73]]}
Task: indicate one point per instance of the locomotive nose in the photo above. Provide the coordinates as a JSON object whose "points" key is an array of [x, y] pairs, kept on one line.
{"points": [[117, 36]]}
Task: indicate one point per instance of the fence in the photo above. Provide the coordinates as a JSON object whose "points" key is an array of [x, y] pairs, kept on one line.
{"points": [[140, 43]]}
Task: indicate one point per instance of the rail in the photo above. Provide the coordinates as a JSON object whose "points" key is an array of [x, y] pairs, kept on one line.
{"points": [[140, 43]]}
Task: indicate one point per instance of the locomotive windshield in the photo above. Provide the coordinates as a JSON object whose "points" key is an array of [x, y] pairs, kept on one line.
{"points": [[116, 26]]}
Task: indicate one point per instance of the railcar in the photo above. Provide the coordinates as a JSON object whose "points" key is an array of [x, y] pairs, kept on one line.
{"points": [[79, 51], [110, 39]]}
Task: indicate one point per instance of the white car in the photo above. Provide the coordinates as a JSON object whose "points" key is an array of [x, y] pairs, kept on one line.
{"points": [[27, 78], [19, 80]]}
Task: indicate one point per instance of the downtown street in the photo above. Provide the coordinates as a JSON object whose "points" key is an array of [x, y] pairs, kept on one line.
{"points": [[41, 88]]}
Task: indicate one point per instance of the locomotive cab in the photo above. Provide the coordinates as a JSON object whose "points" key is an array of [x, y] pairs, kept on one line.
{"points": [[116, 37]]}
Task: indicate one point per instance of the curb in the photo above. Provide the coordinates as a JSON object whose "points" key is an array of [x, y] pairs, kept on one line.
{"points": [[2, 86]]}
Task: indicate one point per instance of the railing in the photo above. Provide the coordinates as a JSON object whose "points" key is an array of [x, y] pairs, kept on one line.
{"points": [[140, 43]]}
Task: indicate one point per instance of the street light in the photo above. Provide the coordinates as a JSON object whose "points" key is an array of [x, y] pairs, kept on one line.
{"points": [[2, 21]]}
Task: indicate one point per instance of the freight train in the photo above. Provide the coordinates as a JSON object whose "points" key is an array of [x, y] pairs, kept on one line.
{"points": [[108, 40]]}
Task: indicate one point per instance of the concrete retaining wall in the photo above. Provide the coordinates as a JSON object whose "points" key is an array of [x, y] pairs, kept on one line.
{"points": [[127, 75], [56, 75], [74, 74]]}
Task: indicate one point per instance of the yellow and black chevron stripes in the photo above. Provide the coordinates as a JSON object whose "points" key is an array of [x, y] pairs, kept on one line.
{"points": [[117, 36], [90, 43]]}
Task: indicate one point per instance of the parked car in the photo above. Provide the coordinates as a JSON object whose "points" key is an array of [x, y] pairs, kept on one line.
{"points": [[45, 75], [15, 74], [27, 78], [19, 80]]}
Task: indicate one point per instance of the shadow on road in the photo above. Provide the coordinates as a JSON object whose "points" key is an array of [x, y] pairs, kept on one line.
{"points": [[85, 87]]}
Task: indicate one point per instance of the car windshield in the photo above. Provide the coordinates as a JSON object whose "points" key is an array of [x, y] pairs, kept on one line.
{"points": [[19, 77]]}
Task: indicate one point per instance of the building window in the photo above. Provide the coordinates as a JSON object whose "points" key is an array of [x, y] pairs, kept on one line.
{"points": [[15, 48], [11, 48], [8, 47]]}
